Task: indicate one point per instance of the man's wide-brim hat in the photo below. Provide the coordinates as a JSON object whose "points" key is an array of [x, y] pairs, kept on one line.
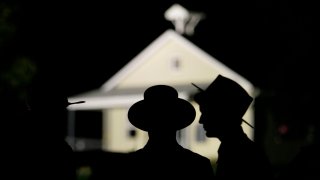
{"points": [[225, 94], [161, 109]]}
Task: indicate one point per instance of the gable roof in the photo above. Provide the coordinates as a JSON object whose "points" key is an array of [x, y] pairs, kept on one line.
{"points": [[159, 42]]}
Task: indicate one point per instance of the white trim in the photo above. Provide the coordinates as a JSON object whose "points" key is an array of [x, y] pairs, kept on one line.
{"points": [[111, 102], [104, 103]]}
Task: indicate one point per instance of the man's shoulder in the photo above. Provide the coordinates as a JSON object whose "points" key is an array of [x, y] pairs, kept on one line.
{"points": [[196, 156]]}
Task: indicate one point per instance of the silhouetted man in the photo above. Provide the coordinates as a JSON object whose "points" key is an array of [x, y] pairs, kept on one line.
{"points": [[161, 113], [222, 107]]}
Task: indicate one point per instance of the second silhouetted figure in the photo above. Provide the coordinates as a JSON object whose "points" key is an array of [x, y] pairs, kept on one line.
{"points": [[222, 107]]}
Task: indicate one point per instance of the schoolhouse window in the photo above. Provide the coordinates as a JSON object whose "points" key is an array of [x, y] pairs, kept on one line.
{"points": [[200, 134], [131, 130], [132, 133], [176, 63]]}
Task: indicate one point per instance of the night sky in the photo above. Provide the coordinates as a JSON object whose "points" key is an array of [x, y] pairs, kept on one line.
{"points": [[268, 42]]}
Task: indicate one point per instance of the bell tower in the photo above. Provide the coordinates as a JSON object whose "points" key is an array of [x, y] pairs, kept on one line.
{"points": [[183, 20]]}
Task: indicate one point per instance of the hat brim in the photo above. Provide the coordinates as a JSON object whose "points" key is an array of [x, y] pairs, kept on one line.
{"points": [[174, 115]]}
